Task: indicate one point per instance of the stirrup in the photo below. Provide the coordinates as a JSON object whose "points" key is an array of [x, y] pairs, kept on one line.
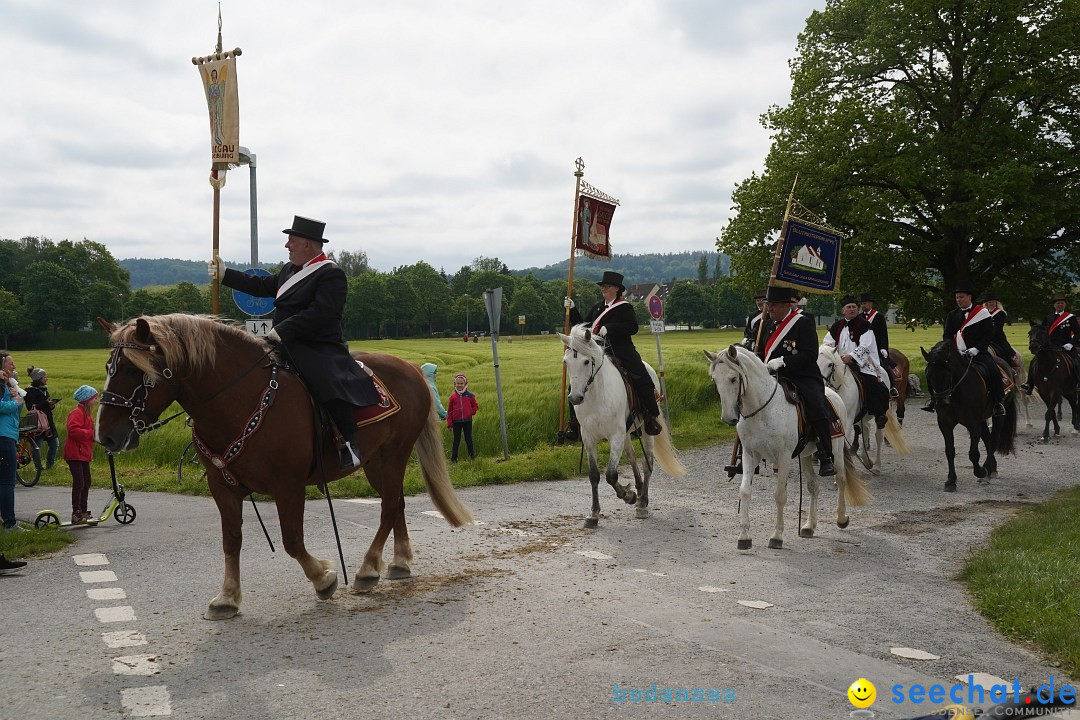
{"points": [[349, 459]]}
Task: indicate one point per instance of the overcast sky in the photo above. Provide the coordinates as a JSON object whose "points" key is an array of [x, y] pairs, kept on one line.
{"points": [[434, 130]]}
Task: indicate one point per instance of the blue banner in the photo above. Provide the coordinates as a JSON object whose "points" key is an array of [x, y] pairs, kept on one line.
{"points": [[809, 258]]}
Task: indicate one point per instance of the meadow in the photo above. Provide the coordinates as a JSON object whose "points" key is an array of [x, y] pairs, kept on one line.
{"points": [[531, 378]]}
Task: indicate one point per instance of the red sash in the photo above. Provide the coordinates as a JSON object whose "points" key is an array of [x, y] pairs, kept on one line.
{"points": [[1063, 317], [596, 322], [871, 315], [977, 313], [780, 331]]}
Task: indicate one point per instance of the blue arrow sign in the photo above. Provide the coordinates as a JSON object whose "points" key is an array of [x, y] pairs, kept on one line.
{"points": [[250, 304]]}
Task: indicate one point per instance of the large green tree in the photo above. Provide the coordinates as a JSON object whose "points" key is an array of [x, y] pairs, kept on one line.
{"points": [[53, 297], [942, 134]]}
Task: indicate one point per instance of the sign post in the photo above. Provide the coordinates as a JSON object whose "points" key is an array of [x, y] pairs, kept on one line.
{"points": [[493, 303], [656, 310]]}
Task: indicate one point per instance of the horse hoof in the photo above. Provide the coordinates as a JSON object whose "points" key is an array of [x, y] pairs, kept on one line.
{"points": [[221, 612], [808, 532], [398, 572], [843, 523], [775, 544], [365, 584], [950, 486], [331, 587], [979, 471], [744, 544], [641, 513], [631, 499], [591, 522]]}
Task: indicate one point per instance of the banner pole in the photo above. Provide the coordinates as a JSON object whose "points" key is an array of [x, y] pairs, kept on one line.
{"points": [[215, 286], [776, 257], [579, 172]]}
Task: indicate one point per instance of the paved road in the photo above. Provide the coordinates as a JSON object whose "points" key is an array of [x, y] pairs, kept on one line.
{"points": [[529, 615]]}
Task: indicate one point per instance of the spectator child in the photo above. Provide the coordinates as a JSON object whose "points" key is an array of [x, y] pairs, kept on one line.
{"points": [[79, 450], [37, 397], [430, 370], [459, 416]]}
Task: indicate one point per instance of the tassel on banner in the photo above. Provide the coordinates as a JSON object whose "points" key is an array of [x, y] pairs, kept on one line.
{"points": [[217, 181]]}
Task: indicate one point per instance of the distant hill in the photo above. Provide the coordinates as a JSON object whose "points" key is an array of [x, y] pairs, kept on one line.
{"points": [[649, 267]]}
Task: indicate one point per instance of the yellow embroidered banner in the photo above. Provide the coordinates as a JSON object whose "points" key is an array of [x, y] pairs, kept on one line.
{"points": [[222, 100]]}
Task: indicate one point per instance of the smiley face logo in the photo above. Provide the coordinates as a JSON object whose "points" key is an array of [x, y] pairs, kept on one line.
{"points": [[862, 693]]}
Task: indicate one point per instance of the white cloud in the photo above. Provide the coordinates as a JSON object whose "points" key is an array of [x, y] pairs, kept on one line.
{"points": [[416, 130]]}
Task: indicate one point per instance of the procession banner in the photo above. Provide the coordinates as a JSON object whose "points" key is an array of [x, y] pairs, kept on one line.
{"points": [[593, 225], [219, 82], [809, 257]]}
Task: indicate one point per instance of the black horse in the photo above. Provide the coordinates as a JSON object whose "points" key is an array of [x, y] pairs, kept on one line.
{"points": [[1052, 374], [962, 398]]}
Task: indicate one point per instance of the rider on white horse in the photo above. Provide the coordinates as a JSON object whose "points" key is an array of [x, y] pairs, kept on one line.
{"points": [[791, 351], [856, 343]]}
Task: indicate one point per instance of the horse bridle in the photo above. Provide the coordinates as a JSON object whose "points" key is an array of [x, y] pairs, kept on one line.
{"points": [[742, 387], [592, 375], [944, 396]]}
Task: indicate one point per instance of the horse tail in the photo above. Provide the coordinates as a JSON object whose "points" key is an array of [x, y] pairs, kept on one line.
{"points": [[429, 448], [855, 491], [664, 453], [895, 434], [1006, 439]]}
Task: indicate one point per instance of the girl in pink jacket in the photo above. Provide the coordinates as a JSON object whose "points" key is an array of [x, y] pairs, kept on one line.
{"points": [[79, 450], [459, 413]]}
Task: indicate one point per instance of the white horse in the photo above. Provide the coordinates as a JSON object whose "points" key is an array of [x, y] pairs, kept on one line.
{"points": [[840, 377], [598, 393], [769, 429]]}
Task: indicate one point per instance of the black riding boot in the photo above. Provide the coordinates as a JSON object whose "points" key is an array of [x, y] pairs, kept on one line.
{"points": [[572, 433], [929, 407], [824, 444], [341, 414]]}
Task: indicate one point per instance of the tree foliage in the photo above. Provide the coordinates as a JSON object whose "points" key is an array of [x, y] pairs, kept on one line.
{"points": [[942, 135]]}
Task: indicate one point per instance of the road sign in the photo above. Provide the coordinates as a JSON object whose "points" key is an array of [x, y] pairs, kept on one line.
{"points": [[250, 304], [259, 327], [521, 319], [657, 326], [656, 308]]}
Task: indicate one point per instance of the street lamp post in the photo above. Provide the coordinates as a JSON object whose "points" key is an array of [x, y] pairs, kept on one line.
{"points": [[248, 158], [123, 316]]}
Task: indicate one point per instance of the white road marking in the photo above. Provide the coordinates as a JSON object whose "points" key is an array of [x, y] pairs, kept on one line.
{"points": [[90, 559], [710, 588], [594, 554], [135, 665], [913, 654], [120, 613], [150, 701], [106, 593], [641, 570], [96, 576], [659, 574], [123, 639], [756, 604]]}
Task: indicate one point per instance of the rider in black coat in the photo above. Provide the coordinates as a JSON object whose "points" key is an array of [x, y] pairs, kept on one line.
{"points": [[310, 293], [614, 319], [971, 328], [1063, 332]]}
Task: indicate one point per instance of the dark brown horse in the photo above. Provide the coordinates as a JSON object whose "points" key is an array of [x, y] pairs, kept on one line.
{"points": [[900, 381], [1052, 375], [962, 398], [256, 425]]}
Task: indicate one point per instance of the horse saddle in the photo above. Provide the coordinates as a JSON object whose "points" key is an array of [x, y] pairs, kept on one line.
{"points": [[1003, 370], [632, 400], [806, 433], [387, 405]]}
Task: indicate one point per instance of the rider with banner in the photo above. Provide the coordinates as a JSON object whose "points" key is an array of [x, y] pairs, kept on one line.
{"points": [[614, 320], [1063, 332], [791, 351], [971, 329], [310, 292], [880, 326], [856, 343]]}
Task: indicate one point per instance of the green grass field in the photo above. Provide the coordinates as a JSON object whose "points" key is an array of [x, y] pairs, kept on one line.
{"points": [[1030, 560]]}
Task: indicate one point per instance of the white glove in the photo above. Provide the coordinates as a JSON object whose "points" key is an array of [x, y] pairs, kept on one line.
{"points": [[972, 351], [273, 337], [885, 354], [1068, 346], [215, 269], [568, 303], [775, 363], [603, 332]]}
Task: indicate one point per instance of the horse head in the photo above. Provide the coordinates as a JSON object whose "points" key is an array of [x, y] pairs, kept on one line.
{"points": [[831, 366], [583, 357], [944, 367], [1038, 337], [727, 369]]}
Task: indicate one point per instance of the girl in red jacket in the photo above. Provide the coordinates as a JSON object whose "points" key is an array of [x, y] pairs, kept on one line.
{"points": [[459, 413], [79, 450]]}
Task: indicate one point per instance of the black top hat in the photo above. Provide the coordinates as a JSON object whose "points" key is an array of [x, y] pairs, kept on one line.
{"points": [[866, 297], [965, 287], [1058, 296], [777, 294], [991, 295], [759, 294], [307, 228], [612, 278], [848, 300]]}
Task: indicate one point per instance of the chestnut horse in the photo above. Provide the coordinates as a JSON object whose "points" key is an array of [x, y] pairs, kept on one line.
{"points": [[900, 381], [256, 431]]}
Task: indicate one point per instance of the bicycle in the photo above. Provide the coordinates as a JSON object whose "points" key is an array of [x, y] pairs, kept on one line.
{"points": [[24, 452], [189, 461]]}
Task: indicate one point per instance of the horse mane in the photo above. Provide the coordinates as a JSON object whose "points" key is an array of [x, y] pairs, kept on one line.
{"points": [[579, 344], [188, 341]]}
